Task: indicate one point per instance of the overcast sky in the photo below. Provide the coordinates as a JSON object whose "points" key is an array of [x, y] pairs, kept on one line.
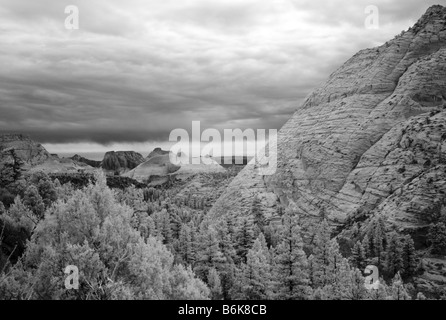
{"points": [[137, 69]]}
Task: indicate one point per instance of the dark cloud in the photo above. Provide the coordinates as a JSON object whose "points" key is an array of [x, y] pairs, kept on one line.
{"points": [[138, 69]]}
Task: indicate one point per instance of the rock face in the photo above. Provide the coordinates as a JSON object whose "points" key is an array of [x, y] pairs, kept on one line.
{"points": [[121, 161], [155, 167], [345, 146], [158, 168], [91, 163], [371, 140], [28, 151], [157, 152]]}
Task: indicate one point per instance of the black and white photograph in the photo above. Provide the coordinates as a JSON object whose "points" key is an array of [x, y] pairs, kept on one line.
{"points": [[243, 152]]}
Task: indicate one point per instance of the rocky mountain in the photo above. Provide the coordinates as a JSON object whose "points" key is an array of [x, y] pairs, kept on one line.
{"points": [[157, 152], [158, 168], [28, 151], [91, 163], [121, 161], [370, 141]]}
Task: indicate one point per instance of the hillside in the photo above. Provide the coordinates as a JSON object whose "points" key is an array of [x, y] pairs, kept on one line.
{"points": [[370, 141]]}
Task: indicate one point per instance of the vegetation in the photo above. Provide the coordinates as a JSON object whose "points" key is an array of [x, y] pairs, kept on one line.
{"points": [[155, 243]]}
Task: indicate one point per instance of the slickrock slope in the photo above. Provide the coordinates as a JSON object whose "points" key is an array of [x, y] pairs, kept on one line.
{"points": [[28, 151], [370, 139]]}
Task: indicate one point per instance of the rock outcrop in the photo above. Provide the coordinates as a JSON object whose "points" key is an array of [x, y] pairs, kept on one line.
{"points": [[332, 153], [27, 150], [370, 141], [158, 168], [157, 152], [91, 163], [121, 161]]}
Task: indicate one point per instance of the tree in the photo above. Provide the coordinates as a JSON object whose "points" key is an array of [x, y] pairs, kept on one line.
{"points": [[437, 237], [409, 256], [257, 213], [366, 246], [321, 254], [358, 256], [186, 247], [245, 237], [214, 284], [398, 290], [93, 231], [34, 201], [379, 240], [257, 283], [209, 254], [291, 272], [394, 254]]}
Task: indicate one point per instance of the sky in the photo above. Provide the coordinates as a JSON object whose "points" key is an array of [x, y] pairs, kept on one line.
{"points": [[137, 69]]}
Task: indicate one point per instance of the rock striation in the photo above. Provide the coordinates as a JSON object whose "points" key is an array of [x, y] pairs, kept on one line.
{"points": [[25, 149], [370, 141], [121, 161], [334, 153]]}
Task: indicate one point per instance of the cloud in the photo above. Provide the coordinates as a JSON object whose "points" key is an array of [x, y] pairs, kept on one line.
{"points": [[137, 69]]}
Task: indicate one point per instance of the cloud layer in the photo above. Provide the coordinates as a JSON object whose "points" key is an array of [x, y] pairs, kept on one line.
{"points": [[137, 69]]}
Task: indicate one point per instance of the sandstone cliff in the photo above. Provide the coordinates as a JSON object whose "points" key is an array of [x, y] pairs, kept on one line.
{"points": [[28, 151], [371, 140], [121, 161], [344, 146]]}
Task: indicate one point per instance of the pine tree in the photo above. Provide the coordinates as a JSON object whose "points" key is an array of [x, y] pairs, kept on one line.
{"points": [[366, 246], [356, 289], [358, 256], [409, 256], [208, 254], [214, 284], [394, 254], [245, 237], [321, 253], [257, 213], [257, 284], [185, 245], [292, 272], [379, 239], [380, 293], [34, 201], [398, 290]]}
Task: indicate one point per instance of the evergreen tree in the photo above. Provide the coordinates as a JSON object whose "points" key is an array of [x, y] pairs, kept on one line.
{"points": [[394, 254], [355, 290], [186, 248], [292, 272], [398, 290], [256, 282], [214, 284], [257, 213], [366, 247], [358, 256], [437, 238], [380, 293], [245, 237], [208, 254], [321, 253], [34, 201], [409, 256], [379, 240]]}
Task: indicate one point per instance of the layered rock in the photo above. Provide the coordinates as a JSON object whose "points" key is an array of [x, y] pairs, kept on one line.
{"points": [[91, 163], [329, 151], [157, 152], [27, 150], [121, 161]]}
